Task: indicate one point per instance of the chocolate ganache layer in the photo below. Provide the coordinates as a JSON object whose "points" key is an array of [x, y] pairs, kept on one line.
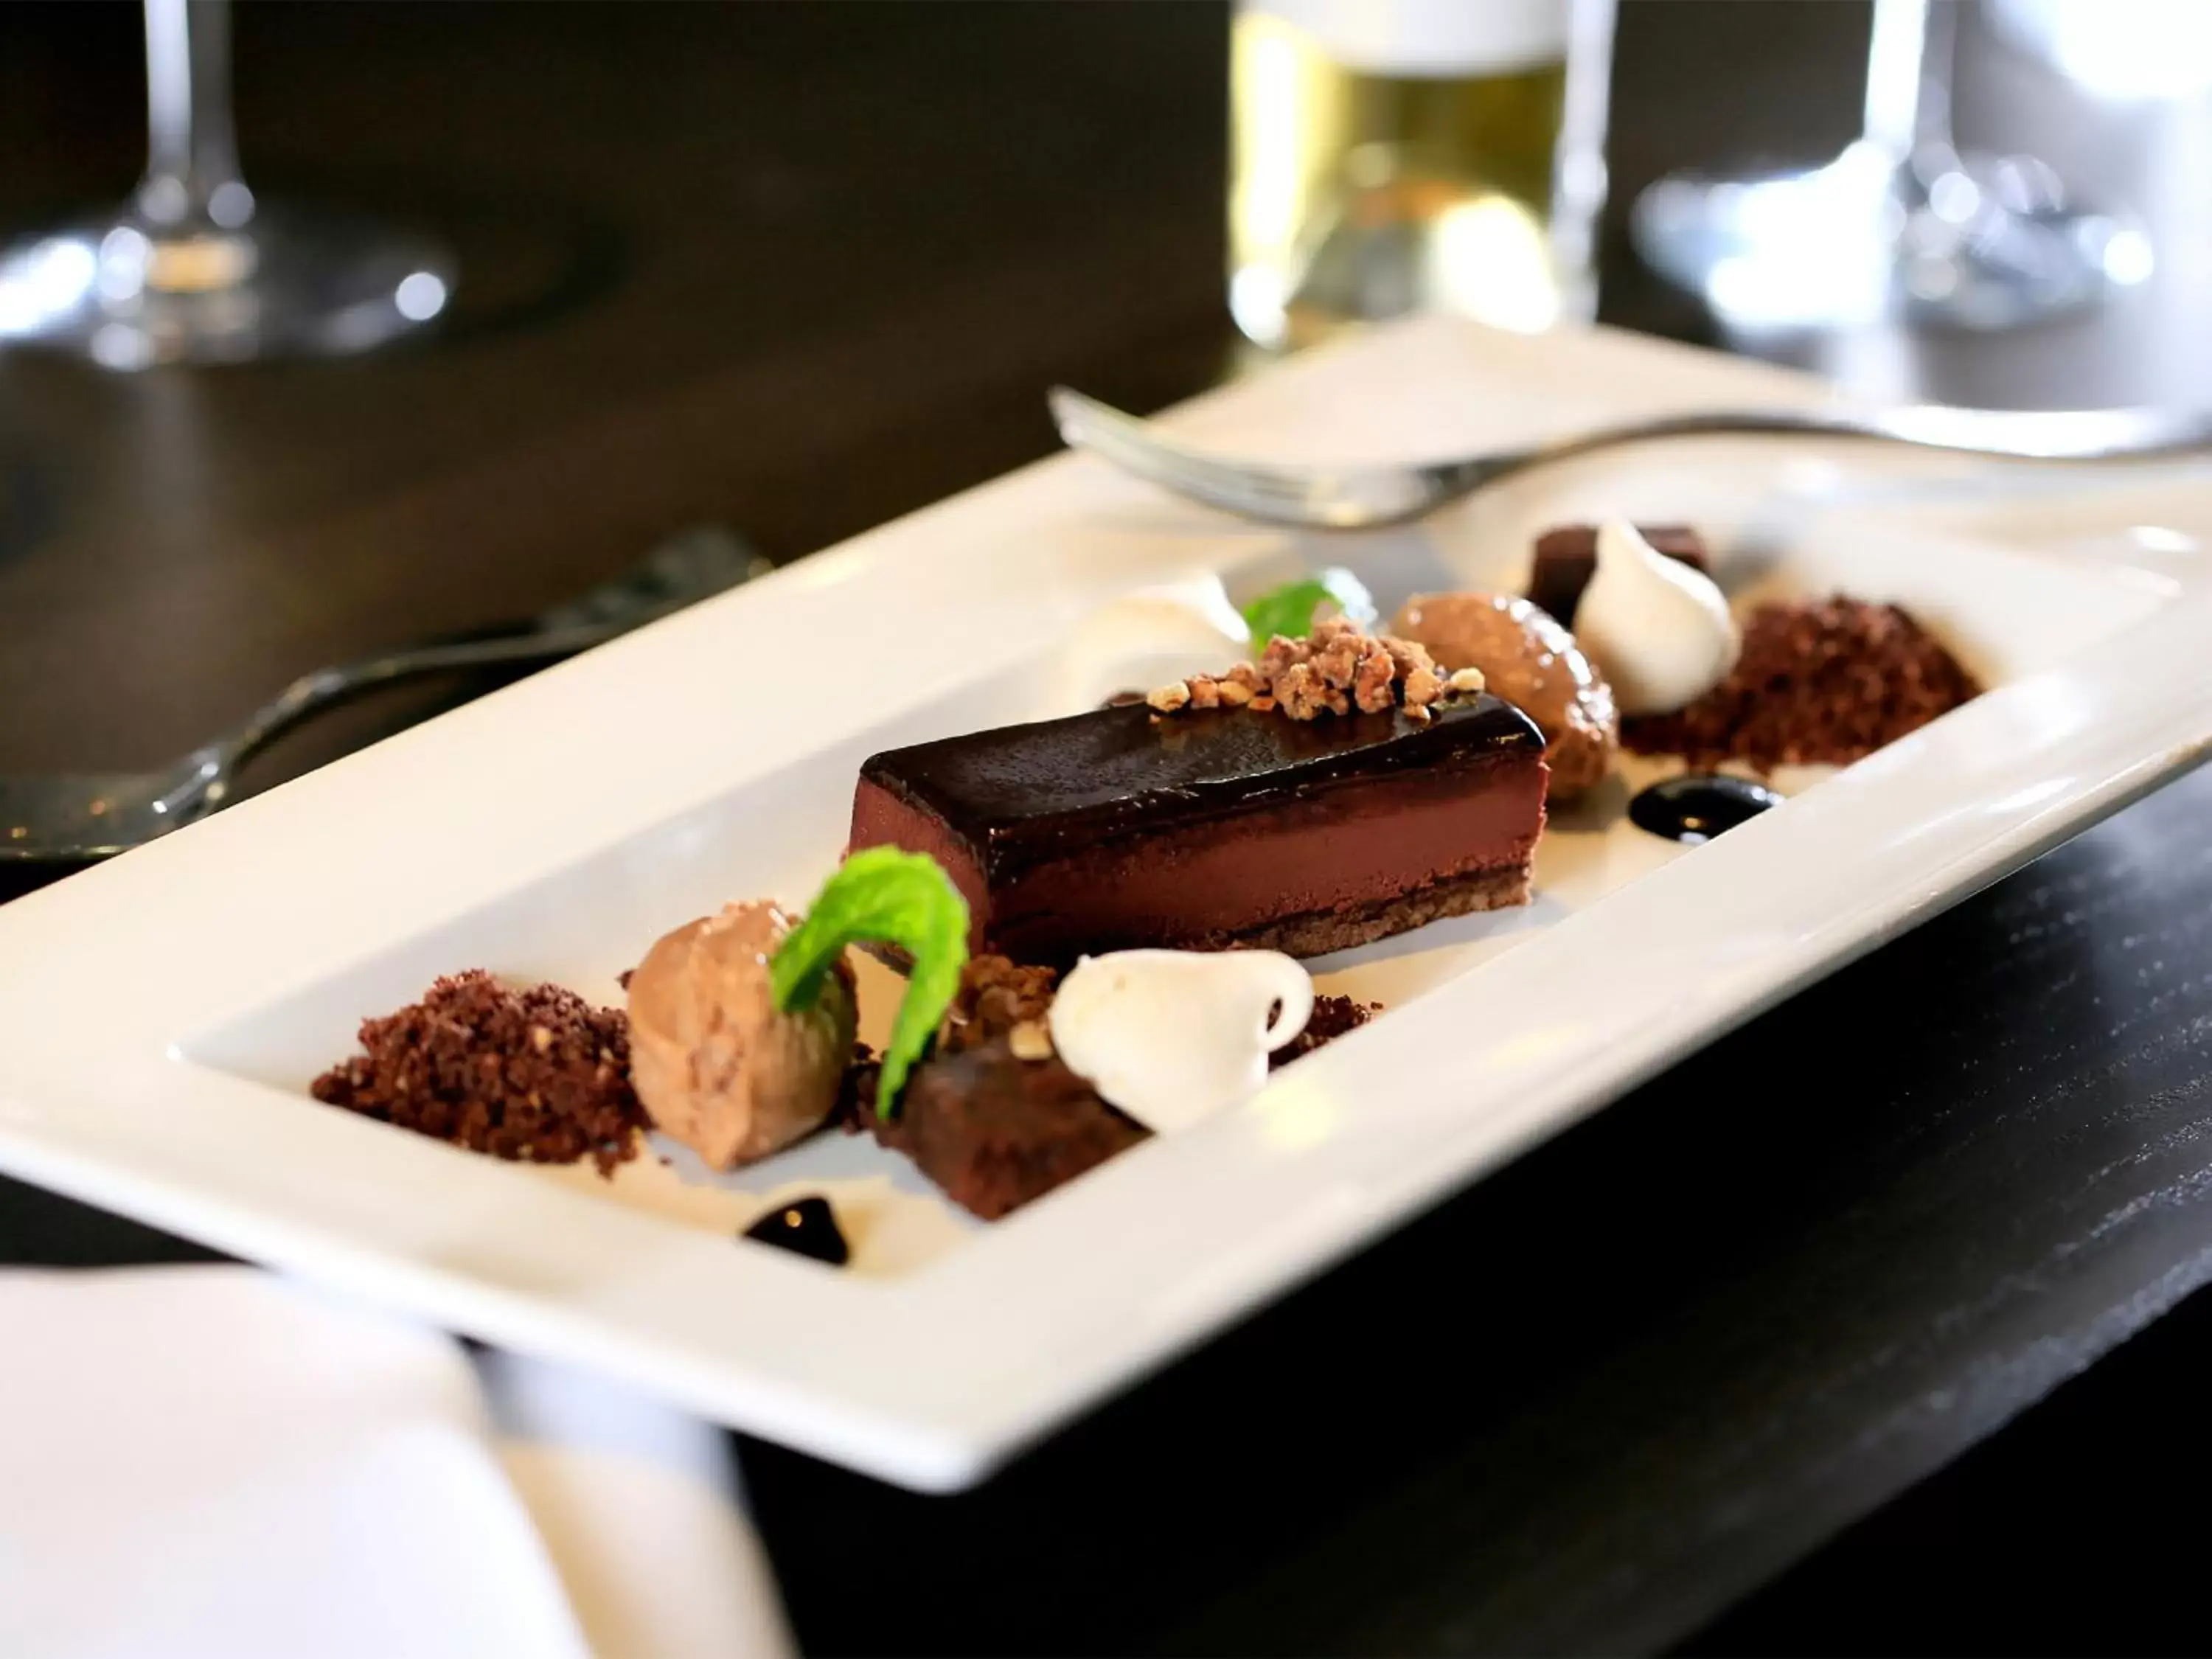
{"points": [[1215, 829]]}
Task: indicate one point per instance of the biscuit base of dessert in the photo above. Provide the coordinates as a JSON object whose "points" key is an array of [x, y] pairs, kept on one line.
{"points": [[1341, 928]]}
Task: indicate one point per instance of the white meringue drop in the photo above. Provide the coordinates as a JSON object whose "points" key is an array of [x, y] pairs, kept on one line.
{"points": [[1659, 632], [1173, 1036], [1147, 638]]}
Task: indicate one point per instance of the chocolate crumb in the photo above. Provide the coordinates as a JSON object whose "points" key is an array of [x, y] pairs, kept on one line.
{"points": [[1332, 1017], [537, 1075], [1824, 682], [855, 1109]]}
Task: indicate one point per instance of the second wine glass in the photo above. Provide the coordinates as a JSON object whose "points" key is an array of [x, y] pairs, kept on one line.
{"points": [[1901, 223], [196, 268]]}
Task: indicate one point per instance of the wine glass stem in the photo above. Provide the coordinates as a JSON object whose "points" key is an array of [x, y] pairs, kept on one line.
{"points": [[191, 164], [1908, 89]]}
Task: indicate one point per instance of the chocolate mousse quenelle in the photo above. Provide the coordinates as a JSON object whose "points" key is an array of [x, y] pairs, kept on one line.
{"points": [[1652, 634], [742, 1025], [1532, 663], [716, 1065]]}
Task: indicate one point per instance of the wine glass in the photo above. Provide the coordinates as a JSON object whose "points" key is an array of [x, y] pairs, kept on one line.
{"points": [[195, 268], [1900, 222]]}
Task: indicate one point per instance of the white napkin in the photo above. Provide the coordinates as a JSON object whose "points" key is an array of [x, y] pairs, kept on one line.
{"points": [[211, 1461]]}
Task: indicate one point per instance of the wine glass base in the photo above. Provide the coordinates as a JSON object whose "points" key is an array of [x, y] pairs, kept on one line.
{"points": [[1859, 241], [295, 282]]}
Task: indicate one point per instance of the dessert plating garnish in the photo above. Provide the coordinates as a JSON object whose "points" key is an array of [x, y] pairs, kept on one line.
{"points": [[805, 1226], [1290, 610], [883, 895], [718, 1064], [1695, 809], [1659, 631], [1825, 683], [1532, 663], [1567, 556], [1337, 668], [1172, 1037], [1144, 638], [1333, 1017], [536, 1074], [996, 997], [995, 1117]]}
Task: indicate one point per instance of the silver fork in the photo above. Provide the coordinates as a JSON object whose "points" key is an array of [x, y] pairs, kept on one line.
{"points": [[1366, 497], [80, 815]]}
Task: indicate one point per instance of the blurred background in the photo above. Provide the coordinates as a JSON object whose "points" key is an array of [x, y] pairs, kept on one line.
{"points": [[710, 257]]}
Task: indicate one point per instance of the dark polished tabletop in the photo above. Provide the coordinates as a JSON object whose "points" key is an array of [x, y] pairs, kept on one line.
{"points": [[1787, 1350]]}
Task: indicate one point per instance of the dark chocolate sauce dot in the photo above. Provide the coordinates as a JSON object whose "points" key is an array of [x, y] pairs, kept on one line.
{"points": [[1696, 808], [806, 1226], [1122, 699]]}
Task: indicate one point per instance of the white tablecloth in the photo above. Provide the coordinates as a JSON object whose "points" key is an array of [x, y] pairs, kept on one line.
{"points": [[211, 1461]]}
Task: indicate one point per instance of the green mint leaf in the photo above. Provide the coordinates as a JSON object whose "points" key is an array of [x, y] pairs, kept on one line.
{"points": [[891, 897], [1289, 610]]}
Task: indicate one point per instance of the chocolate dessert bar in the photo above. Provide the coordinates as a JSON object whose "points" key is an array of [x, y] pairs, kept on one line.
{"points": [[1567, 557], [1220, 828]]}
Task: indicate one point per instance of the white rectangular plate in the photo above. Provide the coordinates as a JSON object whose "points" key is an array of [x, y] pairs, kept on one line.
{"points": [[159, 1017]]}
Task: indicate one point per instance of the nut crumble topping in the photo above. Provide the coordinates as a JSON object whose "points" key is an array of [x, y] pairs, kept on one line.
{"points": [[1030, 1040], [1337, 668], [995, 998], [1170, 697]]}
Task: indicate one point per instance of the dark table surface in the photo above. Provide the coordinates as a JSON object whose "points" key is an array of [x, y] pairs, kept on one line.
{"points": [[798, 270]]}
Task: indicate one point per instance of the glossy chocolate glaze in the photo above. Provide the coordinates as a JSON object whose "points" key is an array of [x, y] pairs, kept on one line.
{"points": [[1024, 795]]}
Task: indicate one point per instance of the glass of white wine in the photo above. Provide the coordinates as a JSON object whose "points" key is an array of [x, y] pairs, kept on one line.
{"points": [[1398, 156], [195, 268]]}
